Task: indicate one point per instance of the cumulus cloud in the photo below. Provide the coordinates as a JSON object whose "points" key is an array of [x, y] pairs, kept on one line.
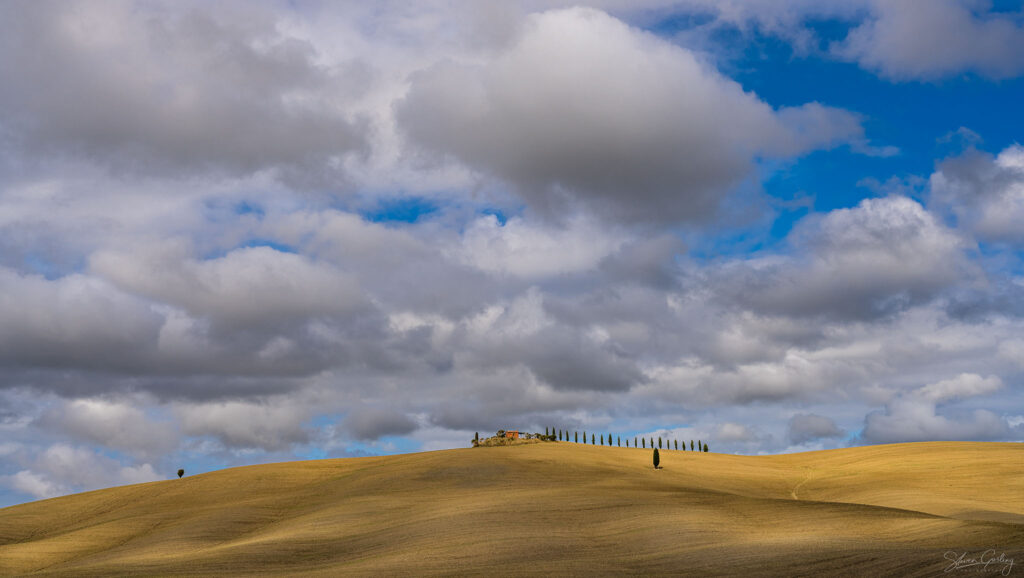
{"points": [[803, 428], [581, 107], [112, 424], [245, 287], [528, 250], [76, 320], [143, 89], [913, 416], [910, 40], [859, 263], [984, 193], [246, 425], [62, 468], [372, 423]]}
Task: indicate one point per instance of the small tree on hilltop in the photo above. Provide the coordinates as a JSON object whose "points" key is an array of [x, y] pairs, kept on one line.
{"points": [[698, 445], [591, 439], [657, 458], [643, 443], [584, 436], [618, 441], [677, 444], [705, 447], [576, 436], [691, 445], [659, 443], [634, 441], [181, 473]]}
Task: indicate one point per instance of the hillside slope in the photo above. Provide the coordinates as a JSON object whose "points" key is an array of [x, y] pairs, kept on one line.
{"points": [[554, 508]]}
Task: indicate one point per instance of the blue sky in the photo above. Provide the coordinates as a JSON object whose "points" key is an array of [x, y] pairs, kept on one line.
{"points": [[328, 230]]}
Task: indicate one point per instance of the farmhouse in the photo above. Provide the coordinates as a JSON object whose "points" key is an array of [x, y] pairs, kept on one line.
{"points": [[512, 434]]}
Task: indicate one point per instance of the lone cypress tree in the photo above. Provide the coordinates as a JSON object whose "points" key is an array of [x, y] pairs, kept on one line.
{"points": [[591, 439], [657, 458], [705, 447]]}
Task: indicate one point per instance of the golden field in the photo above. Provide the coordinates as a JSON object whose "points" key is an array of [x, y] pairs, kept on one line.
{"points": [[551, 509]]}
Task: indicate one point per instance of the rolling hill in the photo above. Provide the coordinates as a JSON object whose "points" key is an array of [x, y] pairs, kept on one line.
{"points": [[552, 508]]}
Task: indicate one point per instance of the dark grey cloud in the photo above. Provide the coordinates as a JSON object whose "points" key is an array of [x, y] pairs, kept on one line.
{"points": [[803, 428], [143, 89], [369, 423]]}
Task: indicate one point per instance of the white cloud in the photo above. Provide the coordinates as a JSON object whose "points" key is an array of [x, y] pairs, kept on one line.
{"points": [[985, 194], [241, 425], [523, 249], [112, 424], [62, 469], [913, 416], [878, 257], [907, 39], [581, 108]]}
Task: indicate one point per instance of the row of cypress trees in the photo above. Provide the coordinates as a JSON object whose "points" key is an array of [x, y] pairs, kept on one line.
{"points": [[563, 435]]}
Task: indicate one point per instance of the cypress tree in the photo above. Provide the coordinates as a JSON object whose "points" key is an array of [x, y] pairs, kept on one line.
{"points": [[705, 447], [677, 444], [634, 441], [698, 445], [657, 458], [576, 437], [643, 442], [618, 441], [659, 443], [591, 439], [652, 442], [627, 442], [584, 436], [691, 445]]}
